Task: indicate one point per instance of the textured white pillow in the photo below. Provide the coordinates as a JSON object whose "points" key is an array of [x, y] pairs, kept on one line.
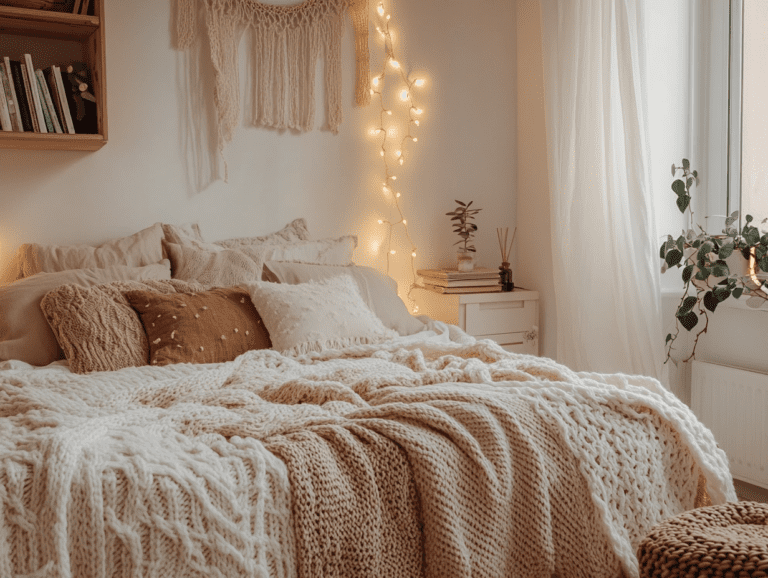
{"points": [[326, 314], [379, 291], [321, 252]]}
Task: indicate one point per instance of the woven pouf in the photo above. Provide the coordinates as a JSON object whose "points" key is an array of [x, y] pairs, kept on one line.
{"points": [[729, 540]]}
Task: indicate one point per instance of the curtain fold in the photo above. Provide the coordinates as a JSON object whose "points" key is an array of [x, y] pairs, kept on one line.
{"points": [[605, 257]]}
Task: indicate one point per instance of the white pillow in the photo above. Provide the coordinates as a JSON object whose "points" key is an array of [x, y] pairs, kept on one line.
{"points": [[326, 314], [322, 252], [379, 291]]}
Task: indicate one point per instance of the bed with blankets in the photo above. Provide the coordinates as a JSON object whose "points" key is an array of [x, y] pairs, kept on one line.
{"points": [[262, 407]]}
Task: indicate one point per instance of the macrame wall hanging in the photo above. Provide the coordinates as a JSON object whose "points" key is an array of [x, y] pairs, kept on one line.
{"points": [[287, 42]]}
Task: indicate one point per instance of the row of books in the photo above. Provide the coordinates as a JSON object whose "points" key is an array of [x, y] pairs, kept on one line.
{"points": [[43, 101], [71, 6], [478, 280]]}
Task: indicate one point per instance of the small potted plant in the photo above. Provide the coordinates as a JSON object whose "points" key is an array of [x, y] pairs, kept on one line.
{"points": [[463, 216], [710, 275]]}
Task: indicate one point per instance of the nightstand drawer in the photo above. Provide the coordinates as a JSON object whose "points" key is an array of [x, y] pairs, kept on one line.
{"points": [[516, 342], [500, 317]]}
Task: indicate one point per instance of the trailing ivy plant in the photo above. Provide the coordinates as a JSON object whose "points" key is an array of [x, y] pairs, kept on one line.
{"points": [[702, 256]]}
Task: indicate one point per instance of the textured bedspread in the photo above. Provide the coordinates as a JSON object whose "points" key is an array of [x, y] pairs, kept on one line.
{"points": [[408, 459]]}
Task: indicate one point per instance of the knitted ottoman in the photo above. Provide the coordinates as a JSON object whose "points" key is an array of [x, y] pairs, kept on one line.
{"points": [[729, 540]]}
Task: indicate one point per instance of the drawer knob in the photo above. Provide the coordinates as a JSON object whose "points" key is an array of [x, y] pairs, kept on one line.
{"points": [[531, 335]]}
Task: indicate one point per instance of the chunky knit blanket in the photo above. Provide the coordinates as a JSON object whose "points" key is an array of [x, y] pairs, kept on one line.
{"points": [[418, 457]]}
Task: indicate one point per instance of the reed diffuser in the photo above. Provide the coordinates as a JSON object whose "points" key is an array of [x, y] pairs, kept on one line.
{"points": [[505, 273]]}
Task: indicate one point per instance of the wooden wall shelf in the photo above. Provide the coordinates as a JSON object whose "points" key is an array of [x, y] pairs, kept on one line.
{"points": [[88, 32]]}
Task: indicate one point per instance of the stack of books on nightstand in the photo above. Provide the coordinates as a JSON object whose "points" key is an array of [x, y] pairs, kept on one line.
{"points": [[479, 280]]}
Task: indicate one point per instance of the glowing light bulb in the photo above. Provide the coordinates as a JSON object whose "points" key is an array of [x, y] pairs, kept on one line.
{"points": [[416, 309], [375, 81], [398, 153], [413, 254], [416, 122], [398, 195], [394, 63], [389, 16], [417, 111], [419, 82], [381, 153], [401, 160], [389, 112], [415, 139], [385, 188], [404, 94], [373, 92], [392, 252], [381, 9], [381, 222], [405, 222], [393, 178]]}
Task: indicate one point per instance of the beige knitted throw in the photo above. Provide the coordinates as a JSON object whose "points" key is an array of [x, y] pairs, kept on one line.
{"points": [[404, 459], [286, 43]]}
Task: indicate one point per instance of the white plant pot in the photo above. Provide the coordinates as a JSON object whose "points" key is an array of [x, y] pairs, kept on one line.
{"points": [[465, 261]]}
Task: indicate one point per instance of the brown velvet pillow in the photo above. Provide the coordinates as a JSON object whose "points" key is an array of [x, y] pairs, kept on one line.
{"points": [[208, 327]]}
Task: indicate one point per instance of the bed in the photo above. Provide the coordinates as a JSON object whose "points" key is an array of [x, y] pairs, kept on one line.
{"points": [[409, 450]]}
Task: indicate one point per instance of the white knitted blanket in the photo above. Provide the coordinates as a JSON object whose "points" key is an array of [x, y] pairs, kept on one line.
{"points": [[508, 465]]}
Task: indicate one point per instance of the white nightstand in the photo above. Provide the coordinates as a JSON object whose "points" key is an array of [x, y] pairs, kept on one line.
{"points": [[511, 319]]}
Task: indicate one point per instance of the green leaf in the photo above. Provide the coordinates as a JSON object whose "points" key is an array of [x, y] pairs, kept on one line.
{"points": [[704, 250], [764, 239], [687, 272], [674, 257], [680, 243], [669, 338], [679, 187], [663, 250], [710, 301], [688, 304], [689, 182], [689, 321], [720, 269], [683, 202], [686, 164], [726, 251], [462, 204], [702, 274], [721, 294], [751, 235], [749, 218], [737, 292], [763, 263], [695, 175]]}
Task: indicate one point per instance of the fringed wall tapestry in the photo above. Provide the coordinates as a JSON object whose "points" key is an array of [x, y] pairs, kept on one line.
{"points": [[287, 42]]}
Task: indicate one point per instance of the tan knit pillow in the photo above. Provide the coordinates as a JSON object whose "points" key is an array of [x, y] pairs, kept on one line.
{"points": [[96, 327], [208, 327], [296, 230], [224, 268]]}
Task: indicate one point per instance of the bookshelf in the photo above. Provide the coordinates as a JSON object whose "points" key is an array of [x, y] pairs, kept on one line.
{"points": [[57, 38]]}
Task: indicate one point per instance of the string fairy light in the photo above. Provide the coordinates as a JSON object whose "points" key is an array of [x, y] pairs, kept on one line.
{"points": [[405, 96]]}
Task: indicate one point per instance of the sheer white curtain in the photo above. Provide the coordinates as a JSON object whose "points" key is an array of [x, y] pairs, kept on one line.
{"points": [[606, 266]]}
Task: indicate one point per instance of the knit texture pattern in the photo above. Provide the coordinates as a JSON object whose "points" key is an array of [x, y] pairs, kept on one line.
{"points": [[327, 464], [287, 42]]}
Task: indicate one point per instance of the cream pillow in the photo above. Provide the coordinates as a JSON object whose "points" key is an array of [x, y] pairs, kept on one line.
{"points": [[24, 332], [322, 252], [379, 291], [97, 328], [223, 268], [296, 230], [137, 250], [326, 314]]}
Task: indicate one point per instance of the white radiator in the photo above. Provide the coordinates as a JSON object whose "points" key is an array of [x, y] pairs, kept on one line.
{"points": [[733, 403]]}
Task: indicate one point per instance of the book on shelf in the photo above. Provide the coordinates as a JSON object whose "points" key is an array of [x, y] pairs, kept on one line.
{"points": [[460, 290], [28, 97], [5, 94], [5, 115], [48, 101], [32, 79], [59, 98], [44, 106], [455, 274], [15, 111], [21, 95]]}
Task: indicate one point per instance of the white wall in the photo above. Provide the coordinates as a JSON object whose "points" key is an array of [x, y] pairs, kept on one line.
{"points": [[158, 127]]}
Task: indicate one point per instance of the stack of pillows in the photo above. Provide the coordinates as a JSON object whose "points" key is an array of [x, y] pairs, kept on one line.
{"points": [[164, 296]]}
